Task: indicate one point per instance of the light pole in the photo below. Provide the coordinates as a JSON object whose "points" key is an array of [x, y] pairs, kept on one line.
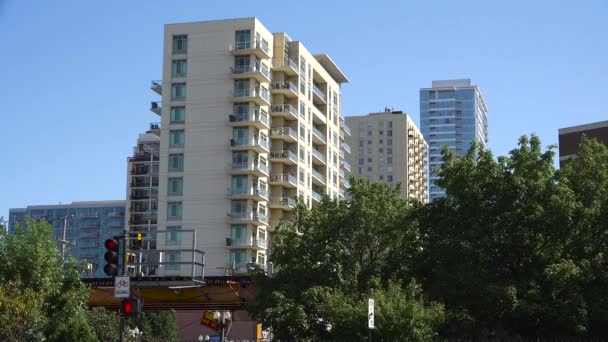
{"points": [[64, 232], [220, 319]]}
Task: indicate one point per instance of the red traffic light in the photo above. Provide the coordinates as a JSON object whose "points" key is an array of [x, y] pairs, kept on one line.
{"points": [[111, 244], [126, 306]]}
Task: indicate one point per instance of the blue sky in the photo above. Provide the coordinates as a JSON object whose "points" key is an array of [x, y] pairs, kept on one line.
{"points": [[75, 90]]}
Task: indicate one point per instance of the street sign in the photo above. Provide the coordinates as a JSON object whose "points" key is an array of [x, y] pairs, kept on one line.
{"points": [[121, 287], [370, 314], [215, 338]]}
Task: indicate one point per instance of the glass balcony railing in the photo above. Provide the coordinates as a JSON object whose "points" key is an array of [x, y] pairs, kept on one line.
{"points": [[318, 92], [284, 108], [346, 147], [346, 165], [283, 177], [345, 182], [285, 154], [249, 142], [346, 128], [318, 154], [246, 69], [283, 201], [285, 63], [246, 166], [257, 44], [252, 216], [284, 85], [246, 117], [284, 131], [250, 191], [318, 175], [261, 93], [316, 196], [318, 133]]}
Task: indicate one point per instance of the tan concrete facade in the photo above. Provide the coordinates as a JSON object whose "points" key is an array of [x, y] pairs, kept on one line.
{"points": [[388, 147], [255, 119]]}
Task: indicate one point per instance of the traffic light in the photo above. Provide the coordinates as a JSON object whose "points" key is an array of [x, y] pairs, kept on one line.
{"points": [[111, 256], [136, 240], [130, 306]]}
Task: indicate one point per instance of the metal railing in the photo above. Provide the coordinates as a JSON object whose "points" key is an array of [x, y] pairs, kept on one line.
{"points": [[345, 128], [245, 69], [284, 108], [254, 44], [261, 93], [346, 147], [318, 154], [249, 142], [284, 85], [316, 196], [262, 117], [287, 62], [283, 131], [346, 165], [318, 91], [318, 133], [283, 154], [246, 166], [283, 177], [250, 216], [250, 191], [316, 174]]}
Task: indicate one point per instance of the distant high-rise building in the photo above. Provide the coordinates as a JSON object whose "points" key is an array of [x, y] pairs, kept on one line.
{"points": [[388, 147], [87, 225], [250, 121], [570, 138], [453, 113]]}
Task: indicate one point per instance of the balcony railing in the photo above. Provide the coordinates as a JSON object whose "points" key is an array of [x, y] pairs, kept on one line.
{"points": [[257, 44], [283, 201], [285, 63], [251, 167], [345, 182], [316, 196], [283, 131], [284, 108], [250, 191], [346, 128], [284, 85], [285, 154], [346, 165], [318, 133], [318, 91], [318, 154], [249, 142], [283, 177], [318, 175], [261, 93], [245, 117], [253, 242], [252, 216], [346, 147], [246, 69]]}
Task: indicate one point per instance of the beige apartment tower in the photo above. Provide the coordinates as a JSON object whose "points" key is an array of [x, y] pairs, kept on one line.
{"points": [[388, 147], [250, 121]]}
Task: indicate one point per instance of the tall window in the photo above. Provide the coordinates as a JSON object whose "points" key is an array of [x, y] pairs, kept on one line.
{"points": [[175, 186], [241, 64], [238, 208], [178, 91], [176, 162], [180, 44], [240, 108], [174, 211], [238, 258], [239, 184], [178, 114], [174, 235], [242, 39], [238, 234], [240, 135], [241, 88], [240, 159], [178, 68], [173, 257], [177, 138]]}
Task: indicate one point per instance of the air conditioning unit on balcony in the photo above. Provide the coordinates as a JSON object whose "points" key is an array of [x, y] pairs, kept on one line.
{"points": [[228, 242]]}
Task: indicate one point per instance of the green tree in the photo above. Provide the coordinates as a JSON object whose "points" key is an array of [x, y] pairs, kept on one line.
{"points": [[157, 326], [105, 324], [334, 257], [50, 293]]}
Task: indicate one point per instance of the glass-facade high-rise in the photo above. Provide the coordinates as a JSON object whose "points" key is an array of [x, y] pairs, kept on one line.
{"points": [[452, 114], [87, 224]]}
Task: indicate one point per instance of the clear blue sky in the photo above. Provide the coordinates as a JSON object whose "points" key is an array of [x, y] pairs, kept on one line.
{"points": [[76, 74]]}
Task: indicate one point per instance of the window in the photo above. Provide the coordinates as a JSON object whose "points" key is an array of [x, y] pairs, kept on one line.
{"points": [[176, 138], [361, 143], [175, 186], [176, 162], [369, 142], [241, 64], [301, 177], [390, 124], [178, 68], [174, 211], [239, 184], [241, 88], [238, 258], [178, 91], [174, 236], [369, 169], [360, 170], [381, 160], [302, 154], [389, 169], [369, 160], [381, 124], [381, 177], [389, 150], [369, 132], [303, 110], [389, 133], [389, 160], [381, 132], [361, 161], [178, 114], [173, 257], [242, 39], [238, 234], [381, 169], [389, 142], [335, 139], [381, 142], [180, 44], [389, 178], [381, 150]]}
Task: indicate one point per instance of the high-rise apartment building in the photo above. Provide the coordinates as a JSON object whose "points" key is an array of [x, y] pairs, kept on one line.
{"points": [[453, 113], [86, 226], [388, 147], [570, 138], [250, 121]]}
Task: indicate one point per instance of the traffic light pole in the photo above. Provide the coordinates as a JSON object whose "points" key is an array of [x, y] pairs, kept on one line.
{"points": [[124, 273]]}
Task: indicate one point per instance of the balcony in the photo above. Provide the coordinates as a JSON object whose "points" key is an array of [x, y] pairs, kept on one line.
{"points": [[142, 221], [345, 165], [258, 72], [286, 89], [342, 193], [252, 217], [156, 106], [143, 184], [316, 196], [245, 268], [319, 158], [144, 170], [257, 120], [258, 170], [285, 203], [286, 134], [142, 209], [145, 157], [318, 95], [258, 48], [342, 173], [285, 179], [318, 178], [255, 144], [346, 147], [286, 111], [345, 183], [251, 243], [285, 156], [318, 117], [345, 128], [341, 135], [318, 137], [257, 96], [157, 87], [286, 65], [255, 193]]}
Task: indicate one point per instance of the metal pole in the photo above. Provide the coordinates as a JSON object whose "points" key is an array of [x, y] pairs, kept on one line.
{"points": [[193, 254], [63, 236], [370, 335], [124, 252], [222, 326], [122, 328]]}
